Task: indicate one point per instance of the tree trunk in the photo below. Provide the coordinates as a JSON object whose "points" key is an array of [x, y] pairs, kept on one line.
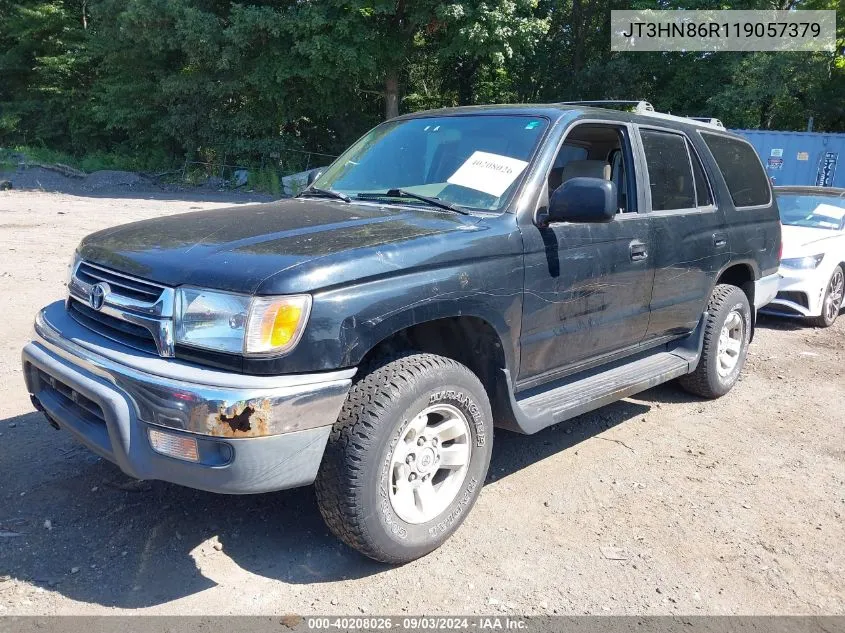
{"points": [[577, 35], [391, 95], [465, 73]]}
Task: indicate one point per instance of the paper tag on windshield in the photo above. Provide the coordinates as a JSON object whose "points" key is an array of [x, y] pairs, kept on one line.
{"points": [[488, 173], [830, 211]]}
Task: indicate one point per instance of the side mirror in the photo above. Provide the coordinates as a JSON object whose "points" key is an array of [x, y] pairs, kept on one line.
{"points": [[312, 176], [584, 200]]}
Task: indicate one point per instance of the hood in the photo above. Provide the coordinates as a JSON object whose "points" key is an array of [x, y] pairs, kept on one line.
{"points": [[800, 240], [238, 248]]}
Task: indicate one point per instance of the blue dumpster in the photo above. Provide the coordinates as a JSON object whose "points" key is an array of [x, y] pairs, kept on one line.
{"points": [[800, 158]]}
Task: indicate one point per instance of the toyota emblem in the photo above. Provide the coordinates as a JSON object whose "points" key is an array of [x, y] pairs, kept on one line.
{"points": [[98, 295]]}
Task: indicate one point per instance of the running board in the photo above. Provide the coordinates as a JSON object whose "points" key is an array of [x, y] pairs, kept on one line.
{"points": [[537, 408]]}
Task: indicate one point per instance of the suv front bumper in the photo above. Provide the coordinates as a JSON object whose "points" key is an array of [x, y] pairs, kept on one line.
{"points": [[252, 433]]}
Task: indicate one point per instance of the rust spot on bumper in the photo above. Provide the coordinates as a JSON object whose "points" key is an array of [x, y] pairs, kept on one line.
{"points": [[243, 419]]}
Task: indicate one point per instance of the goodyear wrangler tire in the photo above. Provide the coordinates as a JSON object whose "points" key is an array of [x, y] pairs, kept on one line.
{"points": [[406, 458]]}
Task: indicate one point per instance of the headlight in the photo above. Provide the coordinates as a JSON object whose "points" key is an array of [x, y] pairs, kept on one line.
{"points": [[276, 323], [239, 324], [809, 262], [71, 267]]}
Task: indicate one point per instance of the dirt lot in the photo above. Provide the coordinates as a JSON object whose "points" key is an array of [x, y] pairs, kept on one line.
{"points": [[659, 504]]}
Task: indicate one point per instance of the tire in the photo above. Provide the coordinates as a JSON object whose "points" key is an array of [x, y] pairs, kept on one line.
{"points": [[832, 302], [382, 420], [712, 378]]}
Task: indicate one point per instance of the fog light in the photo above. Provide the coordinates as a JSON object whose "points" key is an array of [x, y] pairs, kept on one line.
{"points": [[173, 445]]}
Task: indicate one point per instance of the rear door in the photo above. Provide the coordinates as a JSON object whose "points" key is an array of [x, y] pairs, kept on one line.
{"points": [[750, 208], [691, 243]]}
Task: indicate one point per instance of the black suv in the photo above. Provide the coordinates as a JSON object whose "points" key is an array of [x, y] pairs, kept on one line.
{"points": [[454, 270]]}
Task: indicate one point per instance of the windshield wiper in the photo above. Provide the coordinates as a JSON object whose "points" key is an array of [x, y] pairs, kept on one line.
{"points": [[324, 193], [402, 193]]}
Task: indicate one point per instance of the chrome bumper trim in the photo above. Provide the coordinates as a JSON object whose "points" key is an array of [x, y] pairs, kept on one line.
{"points": [[182, 396]]}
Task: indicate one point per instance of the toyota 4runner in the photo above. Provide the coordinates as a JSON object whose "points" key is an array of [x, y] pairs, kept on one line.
{"points": [[454, 270]]}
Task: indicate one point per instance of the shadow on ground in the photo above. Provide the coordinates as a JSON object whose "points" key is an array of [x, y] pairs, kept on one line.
{"points": [[781, 324], [787, 324], [117, 542]]}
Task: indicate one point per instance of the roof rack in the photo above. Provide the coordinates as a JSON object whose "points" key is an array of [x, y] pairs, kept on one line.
{"points": [[707, 119], [640, 106], [644, 107]]}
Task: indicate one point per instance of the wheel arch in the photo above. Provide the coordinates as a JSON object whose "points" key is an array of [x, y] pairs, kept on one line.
{"points": [[472, 341], [741, 274]]}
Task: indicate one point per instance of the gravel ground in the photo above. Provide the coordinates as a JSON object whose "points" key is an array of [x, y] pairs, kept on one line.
{"points": [[660, 504]]}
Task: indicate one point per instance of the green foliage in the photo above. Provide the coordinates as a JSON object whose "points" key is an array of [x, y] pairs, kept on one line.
{"points": [[151, 84], [265, 180]]}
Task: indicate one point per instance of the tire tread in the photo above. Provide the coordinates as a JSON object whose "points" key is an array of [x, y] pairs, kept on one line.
{"points": [[339, 483], [698, 382]]}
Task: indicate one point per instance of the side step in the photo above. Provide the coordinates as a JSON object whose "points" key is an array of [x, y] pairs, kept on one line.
{"points": [[537, 408]]}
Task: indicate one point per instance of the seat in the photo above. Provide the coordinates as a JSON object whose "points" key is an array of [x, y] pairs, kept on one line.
{"points": [[579, 169], [585, 169]]}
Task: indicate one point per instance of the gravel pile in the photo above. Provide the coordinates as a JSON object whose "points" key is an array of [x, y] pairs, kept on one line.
{"points": [[110, 179], [108, 182], [41, 179]]}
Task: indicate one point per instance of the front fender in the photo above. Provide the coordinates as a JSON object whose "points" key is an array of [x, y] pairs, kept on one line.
{"points": [[348, 321], [490, 290]]}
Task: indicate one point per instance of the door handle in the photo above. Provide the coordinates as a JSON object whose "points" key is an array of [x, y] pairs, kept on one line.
{"points": [[720, 240], [639, 251]]}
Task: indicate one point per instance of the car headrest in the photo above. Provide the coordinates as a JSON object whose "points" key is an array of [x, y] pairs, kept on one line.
{"points": [[585, 169]]}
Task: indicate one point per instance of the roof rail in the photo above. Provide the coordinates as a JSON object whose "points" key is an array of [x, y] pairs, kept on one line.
{"points": [[644, 107], [639, 105], [707, 119]]}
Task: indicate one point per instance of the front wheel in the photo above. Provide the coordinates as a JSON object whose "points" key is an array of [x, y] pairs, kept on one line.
{"points": [[407, 457], [727, 333], [832, 302]]}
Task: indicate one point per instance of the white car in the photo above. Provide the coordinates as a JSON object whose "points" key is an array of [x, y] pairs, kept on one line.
{"points": [[812, 266]]}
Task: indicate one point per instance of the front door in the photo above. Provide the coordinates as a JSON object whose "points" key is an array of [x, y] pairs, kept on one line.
{"points": [[587, 286]]}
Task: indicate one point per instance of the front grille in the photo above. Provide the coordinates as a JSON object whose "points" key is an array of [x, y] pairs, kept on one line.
{"points": [[795, 297], [119, 284], [131, 311], [129, 334], [80, 405]]}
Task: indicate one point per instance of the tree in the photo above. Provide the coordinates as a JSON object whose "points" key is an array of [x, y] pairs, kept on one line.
{"points": [[252, 81]]}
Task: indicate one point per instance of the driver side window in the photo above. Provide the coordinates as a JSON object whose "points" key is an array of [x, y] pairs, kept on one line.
{"points": [[596, 150]]}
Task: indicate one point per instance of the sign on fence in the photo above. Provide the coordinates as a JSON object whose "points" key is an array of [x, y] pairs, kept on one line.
{"points": [[827, 170]]}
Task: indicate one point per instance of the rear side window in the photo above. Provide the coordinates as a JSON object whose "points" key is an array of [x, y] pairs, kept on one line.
{"points": [[741, 169], [702, 187], [669, 170]]}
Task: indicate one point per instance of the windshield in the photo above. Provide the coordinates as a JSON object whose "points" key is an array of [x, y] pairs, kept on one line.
{"points": [[474, 162], [814, 211]]}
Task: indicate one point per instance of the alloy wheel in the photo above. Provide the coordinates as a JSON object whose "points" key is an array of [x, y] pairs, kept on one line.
{"points": [[429, 463], [731, 339], [835, 291]]}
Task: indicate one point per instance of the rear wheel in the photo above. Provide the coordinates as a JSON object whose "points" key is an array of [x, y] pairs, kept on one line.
{"points": [[832, 302], [727, 333], [407, 457]]}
